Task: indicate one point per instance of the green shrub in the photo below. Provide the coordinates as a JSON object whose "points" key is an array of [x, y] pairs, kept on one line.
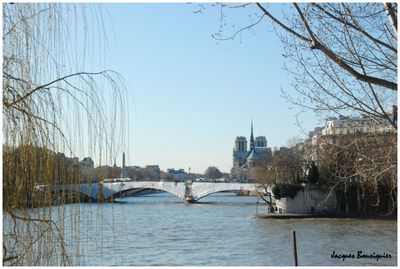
{"points": [[286, 190]]}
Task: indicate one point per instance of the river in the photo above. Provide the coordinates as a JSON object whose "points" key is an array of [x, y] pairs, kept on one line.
{"points": [[222, 230]]}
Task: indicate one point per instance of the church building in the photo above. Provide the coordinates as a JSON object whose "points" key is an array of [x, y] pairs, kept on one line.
{"points": [[245, 159]]}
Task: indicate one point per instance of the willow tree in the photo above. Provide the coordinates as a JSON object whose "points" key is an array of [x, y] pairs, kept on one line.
{"points": [[54, 100]]}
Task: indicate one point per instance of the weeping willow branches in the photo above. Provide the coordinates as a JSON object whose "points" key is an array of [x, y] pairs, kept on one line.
{"points": [[56, 98]]}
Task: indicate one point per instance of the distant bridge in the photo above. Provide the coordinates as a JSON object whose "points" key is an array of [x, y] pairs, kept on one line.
{"points": [[187, 191]]}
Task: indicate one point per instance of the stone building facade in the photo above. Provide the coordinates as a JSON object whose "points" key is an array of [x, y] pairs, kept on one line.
{"points": [[339, 129]]}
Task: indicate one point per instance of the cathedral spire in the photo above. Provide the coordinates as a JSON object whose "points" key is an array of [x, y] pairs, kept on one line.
{"points": [[251, 137]]}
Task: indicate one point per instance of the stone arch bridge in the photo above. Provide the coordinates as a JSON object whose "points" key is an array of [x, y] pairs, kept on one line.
{"points": [[187, 191]]}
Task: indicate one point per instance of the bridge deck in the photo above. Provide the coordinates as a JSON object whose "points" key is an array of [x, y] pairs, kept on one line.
{"points": [[183, 190]]}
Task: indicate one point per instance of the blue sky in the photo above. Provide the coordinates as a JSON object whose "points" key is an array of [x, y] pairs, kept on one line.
{"points": [[189, 95]]}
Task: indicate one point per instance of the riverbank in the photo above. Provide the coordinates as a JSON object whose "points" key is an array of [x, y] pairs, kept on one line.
{"points": [[375, 216]]}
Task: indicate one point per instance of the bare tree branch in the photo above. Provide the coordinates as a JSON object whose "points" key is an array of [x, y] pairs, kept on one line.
{"points": [[315, 44], [282, 25], [390, 10]]}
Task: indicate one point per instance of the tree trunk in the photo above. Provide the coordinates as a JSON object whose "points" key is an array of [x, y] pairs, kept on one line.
{"points": [[390, 11], [339, 203], [346, 203], [364, 209]]}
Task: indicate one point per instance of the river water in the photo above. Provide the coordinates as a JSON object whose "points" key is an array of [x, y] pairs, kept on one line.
{"points": [[222, 230]]}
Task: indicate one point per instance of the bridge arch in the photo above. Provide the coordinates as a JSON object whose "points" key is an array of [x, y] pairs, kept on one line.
{"points": [[112, 188], [208, 194], [87, 190], [203, 189], [139, 190]]}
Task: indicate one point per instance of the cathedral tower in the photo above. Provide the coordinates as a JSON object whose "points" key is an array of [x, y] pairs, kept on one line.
{"points": [[240, 144], [251, 137]]}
